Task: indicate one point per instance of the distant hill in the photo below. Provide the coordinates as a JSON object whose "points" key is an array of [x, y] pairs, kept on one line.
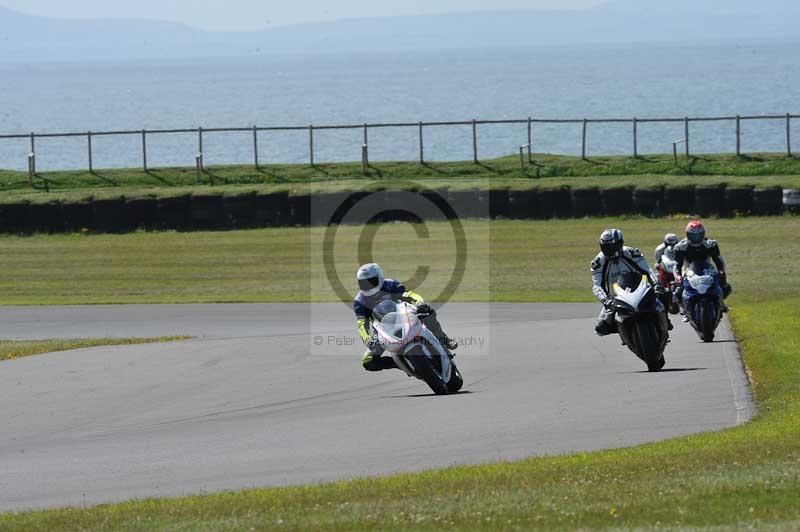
{"points": [[747, 7], [31, 38]]}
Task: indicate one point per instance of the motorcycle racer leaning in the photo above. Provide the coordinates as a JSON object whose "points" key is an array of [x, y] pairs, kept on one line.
{"points": [[667, 247], [614, 259], [375, 288], [697, 248]]}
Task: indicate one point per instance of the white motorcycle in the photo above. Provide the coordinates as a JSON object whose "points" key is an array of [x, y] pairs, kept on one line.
{"points": [[666, 279], [414, 348], [641, 320]]}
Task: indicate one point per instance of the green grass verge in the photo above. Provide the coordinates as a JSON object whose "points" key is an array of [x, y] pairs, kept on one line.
{"points": [[757, 169], [11, 349], [507, 261], [748, 477]]}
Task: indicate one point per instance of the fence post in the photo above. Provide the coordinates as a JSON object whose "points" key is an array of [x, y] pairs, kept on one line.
{"points": [[738, 135], [198, 162], [31, 168], [583, 144], [474, 141], [365, 152], [635, 138], [686, 134], [421, 146], [255, 146], [89, 144], [144, 150], [311, 144], [200, 146], [788, 134], [522, 159], [530, 140], [32, 160]]}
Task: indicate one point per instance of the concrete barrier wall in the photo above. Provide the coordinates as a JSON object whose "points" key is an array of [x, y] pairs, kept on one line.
{"points": [[248, 210]]}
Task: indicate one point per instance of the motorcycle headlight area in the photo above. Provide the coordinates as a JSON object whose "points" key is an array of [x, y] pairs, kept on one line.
{"points": [[649, 301], [700, 281], [623, 308]]}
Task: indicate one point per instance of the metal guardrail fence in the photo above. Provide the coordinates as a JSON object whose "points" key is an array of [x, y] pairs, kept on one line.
{"points": [[420, 126]]}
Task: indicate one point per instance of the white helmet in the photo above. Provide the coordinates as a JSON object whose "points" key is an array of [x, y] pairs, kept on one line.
{"points": [[370, 279], [671, 239]]}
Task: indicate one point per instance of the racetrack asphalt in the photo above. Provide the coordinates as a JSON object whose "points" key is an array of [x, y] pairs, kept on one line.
{"points": [[274, 395]]}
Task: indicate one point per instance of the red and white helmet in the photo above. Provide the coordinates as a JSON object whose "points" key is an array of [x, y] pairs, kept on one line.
{"points": [[696, 233]]}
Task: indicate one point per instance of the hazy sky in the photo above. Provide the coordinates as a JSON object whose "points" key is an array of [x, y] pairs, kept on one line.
{"points": [[257, 14]]}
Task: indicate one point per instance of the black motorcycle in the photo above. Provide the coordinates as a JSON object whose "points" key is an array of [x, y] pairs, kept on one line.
{"points": [[640, 318]]}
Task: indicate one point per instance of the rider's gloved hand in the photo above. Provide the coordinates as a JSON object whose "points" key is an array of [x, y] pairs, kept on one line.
{"points": [[608, 303], [723, 277], [374, 345], [423, 309]]}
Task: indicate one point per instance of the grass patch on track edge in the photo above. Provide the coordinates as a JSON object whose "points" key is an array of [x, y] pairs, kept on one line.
{"points": [[13, 349]]}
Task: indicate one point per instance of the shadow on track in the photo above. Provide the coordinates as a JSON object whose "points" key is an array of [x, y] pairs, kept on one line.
{"points": [[669, 370], [416, 395]]}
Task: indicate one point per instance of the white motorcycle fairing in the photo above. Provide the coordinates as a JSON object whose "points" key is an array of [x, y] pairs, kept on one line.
{"points": [[402, 332], [668, 263], [632, 298]]}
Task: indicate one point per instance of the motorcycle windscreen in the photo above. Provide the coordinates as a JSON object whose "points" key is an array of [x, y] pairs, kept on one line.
{"points": [[383, 309], [634, 294], [398, 328], [629, 281], [702, 283], [700, 267]]}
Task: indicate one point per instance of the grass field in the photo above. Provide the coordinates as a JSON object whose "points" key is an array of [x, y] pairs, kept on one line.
{"points": [[11, 349], [506, 261], [756, 169], [743, 478]]}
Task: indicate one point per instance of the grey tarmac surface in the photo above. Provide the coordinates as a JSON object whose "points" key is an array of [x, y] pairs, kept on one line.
{"points": [[253, 401]]}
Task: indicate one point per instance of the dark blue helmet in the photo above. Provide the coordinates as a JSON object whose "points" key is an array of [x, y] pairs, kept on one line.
{"points": [[611, 242]]}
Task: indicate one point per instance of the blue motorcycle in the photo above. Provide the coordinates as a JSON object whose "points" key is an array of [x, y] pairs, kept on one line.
{"points": [[702, 299]]}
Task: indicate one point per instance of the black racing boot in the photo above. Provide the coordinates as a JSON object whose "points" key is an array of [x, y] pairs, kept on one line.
{"points": [[373, 362], [449, 343], [387, 363], [603, 328]]}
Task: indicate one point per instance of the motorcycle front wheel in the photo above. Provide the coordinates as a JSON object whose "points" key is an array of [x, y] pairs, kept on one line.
{"points": [[650, 346], [424, 369], [456, 381], [708, 322]]}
